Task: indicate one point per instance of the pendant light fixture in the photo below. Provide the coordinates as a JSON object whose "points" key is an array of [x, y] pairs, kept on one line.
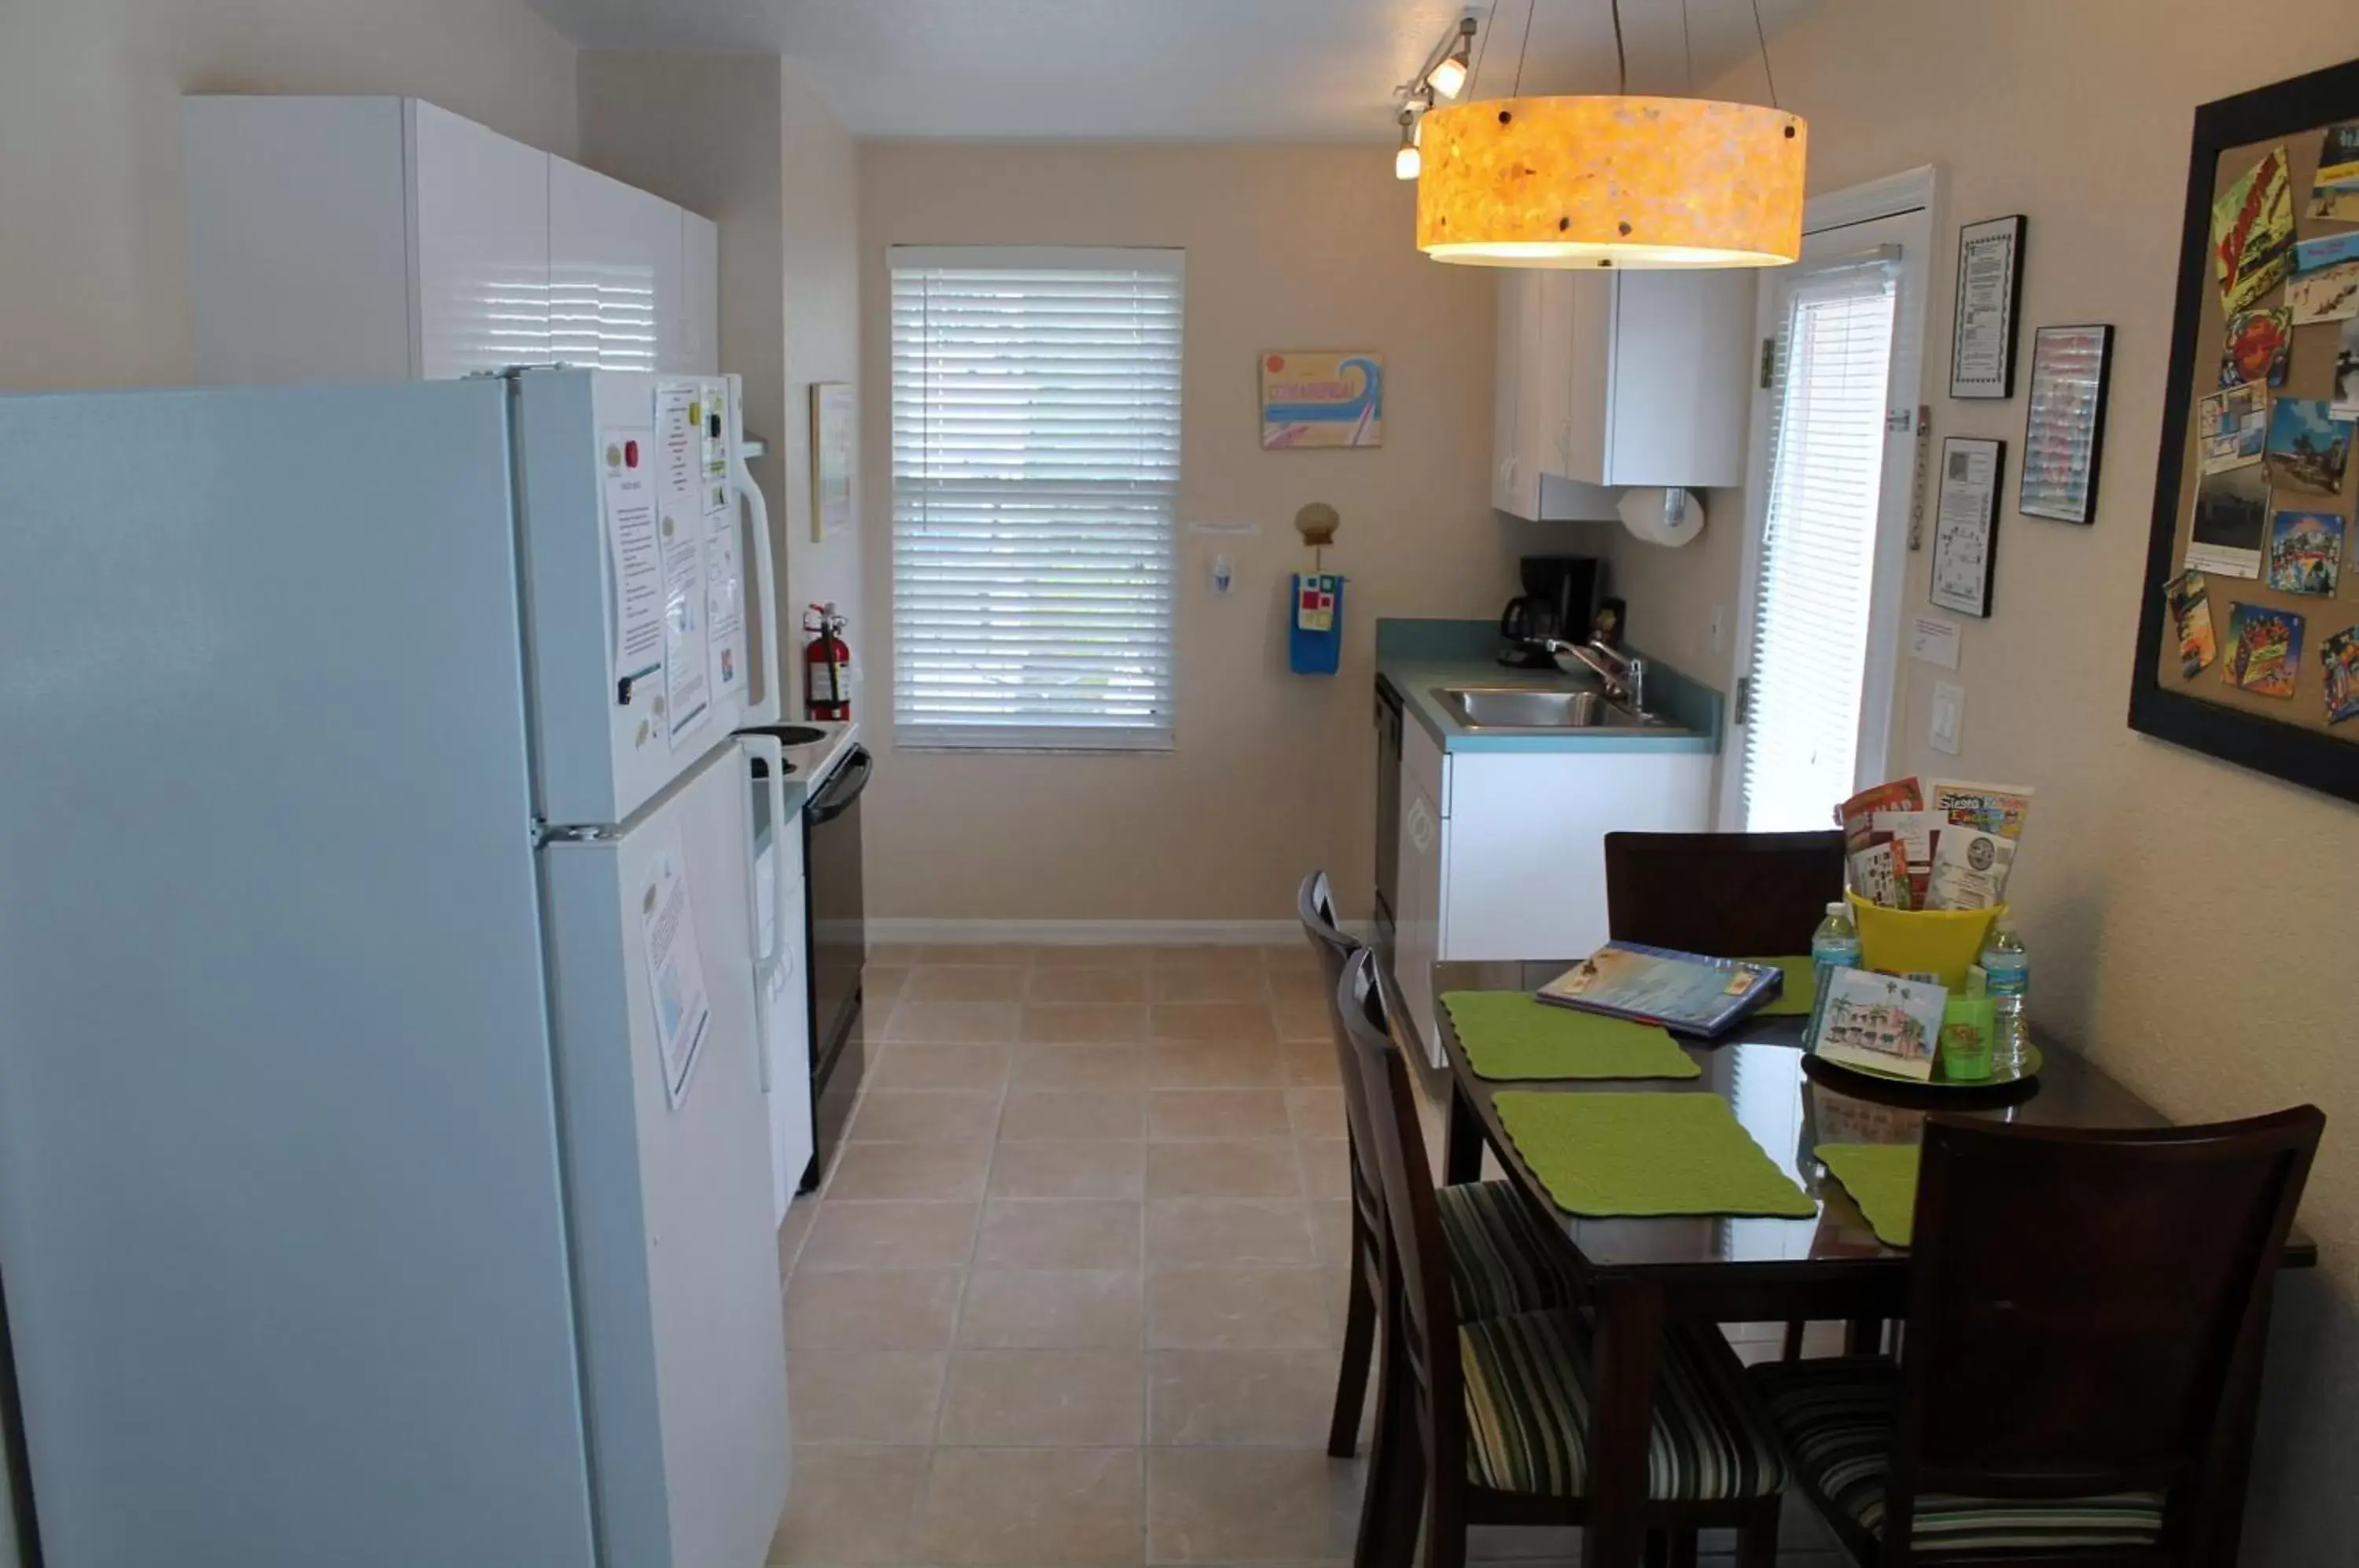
{"points": [[1408, 161], [1612, 182]]}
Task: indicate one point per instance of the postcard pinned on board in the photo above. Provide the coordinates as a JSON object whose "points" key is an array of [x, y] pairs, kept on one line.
{"points": [[2346, 374], [2308, 447], [2264, 649], [2230, 523], [2258, 350], [2340, 654], [2252, 233], [2190, 600], [2305, 552], [2232, 424], [2334, 189]]}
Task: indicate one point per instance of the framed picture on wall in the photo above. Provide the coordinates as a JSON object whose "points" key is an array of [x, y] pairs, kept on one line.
{"points": [[1990, 297], [1965, 529], [2065, 428], [832, 444], [2248, 632]]}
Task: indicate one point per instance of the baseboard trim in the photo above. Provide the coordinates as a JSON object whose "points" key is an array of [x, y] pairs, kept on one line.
{"points": [[899, 931]]}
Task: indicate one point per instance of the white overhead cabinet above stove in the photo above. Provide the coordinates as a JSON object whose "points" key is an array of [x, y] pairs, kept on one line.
{"points": [[384, 239]]}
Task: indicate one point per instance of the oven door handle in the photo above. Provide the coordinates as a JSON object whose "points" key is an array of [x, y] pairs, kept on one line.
{"points": [[842, 789]]}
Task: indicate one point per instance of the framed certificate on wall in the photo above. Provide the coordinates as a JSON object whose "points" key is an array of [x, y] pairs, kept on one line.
{"points": [[1990, 297], [1965, 529]]}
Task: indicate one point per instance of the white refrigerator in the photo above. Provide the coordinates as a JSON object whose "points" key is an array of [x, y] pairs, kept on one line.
{"points": [[385, 1172]]}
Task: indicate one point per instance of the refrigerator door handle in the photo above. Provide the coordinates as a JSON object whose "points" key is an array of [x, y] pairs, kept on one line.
{"points": [[769, 710], [767, 750]]}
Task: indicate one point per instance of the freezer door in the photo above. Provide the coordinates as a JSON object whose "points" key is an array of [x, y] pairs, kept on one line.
{"points": [[667, 1142], [281, 1224], [646, 564]]}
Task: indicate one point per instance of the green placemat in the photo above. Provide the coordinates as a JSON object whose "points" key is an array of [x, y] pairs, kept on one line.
{"points": [[1610, 1154], [1509, 1035], [1802, 988], [1882, 1180]]}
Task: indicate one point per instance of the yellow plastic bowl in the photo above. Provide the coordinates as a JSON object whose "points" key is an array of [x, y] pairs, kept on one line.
{"points": [[1941, 942]]}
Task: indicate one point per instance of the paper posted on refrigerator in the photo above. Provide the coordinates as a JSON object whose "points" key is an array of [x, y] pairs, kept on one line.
{"points": [[675, 971], [724, 570], [628, 495], [687, 692]]}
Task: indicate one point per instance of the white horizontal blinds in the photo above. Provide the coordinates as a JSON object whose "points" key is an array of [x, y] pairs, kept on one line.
{"points": [[1036, 465], [1817, 544]]}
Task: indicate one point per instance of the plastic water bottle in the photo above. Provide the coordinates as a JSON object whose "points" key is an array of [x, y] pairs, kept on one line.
{"points": [[1834, 945], [2008, 968]]}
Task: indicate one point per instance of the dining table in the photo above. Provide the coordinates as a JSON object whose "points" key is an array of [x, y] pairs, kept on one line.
{"points": [[1641, 1273]]}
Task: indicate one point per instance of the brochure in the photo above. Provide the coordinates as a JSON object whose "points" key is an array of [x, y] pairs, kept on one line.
{"points": [[1684, 991]]}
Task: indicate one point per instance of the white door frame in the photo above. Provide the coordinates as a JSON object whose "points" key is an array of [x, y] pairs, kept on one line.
{"points": [[1902, 209]]}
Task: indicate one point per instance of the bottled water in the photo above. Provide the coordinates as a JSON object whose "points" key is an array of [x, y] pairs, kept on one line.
{"points": [[1834, 945], [2007, 968]]}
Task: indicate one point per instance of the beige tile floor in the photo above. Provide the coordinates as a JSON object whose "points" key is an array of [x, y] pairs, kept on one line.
{"points": [[1072, 1291]]}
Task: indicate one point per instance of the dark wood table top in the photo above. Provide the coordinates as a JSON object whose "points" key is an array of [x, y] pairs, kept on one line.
{"points": [[1758, 1069]]}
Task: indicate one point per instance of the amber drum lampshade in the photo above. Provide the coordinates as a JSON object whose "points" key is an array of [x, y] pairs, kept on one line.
{"points": [[1611, 182]]}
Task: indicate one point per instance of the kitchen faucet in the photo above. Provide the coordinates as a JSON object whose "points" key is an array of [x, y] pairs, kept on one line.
{"points": [[1624, 674]]}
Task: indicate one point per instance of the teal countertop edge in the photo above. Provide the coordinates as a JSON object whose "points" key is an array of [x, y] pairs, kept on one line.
{"points": [[1416, 656]]}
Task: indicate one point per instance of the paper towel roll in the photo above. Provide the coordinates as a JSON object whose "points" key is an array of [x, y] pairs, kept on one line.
{"points": [[1670, 517]]}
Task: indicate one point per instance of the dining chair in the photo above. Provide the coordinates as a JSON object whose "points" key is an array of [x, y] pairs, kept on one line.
{"points": [[1485, 1421], [1501, 1255], [2086, 1318], [1730, 895]]}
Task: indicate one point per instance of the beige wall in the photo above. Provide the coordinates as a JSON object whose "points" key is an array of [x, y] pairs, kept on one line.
{"points": [[2190, 920], [820, 197], [93, 289], [1288, 247]]}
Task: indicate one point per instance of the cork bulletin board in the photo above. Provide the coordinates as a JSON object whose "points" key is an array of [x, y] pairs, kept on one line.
{"points": [[2248, 641]]}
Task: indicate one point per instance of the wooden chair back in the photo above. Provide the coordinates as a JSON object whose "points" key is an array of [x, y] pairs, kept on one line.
{"points": [[2078, 1301], [1315, 905], [1728, 895], [1421, 1263]]}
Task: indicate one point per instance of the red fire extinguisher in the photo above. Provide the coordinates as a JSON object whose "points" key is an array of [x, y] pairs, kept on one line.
{"points": [[827, 666]]}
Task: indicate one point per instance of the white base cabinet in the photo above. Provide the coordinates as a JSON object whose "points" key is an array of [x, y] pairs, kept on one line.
{"points": [[1502, 853]]}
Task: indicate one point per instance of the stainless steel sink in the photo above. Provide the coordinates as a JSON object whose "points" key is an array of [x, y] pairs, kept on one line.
{"points": [[1531, 708]]}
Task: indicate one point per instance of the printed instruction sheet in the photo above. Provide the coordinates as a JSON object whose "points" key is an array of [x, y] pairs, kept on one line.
{"points": [[675, 971]]}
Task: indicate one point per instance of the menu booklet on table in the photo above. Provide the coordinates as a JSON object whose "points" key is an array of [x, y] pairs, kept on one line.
{"points": [[1657, 986]]}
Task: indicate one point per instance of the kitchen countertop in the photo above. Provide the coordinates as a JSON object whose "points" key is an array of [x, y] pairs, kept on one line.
{"points": [[1415, 656]]}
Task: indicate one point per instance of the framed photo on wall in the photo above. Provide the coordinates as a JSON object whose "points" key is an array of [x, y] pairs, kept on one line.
{"points": [[1990, 297], [832, 458], [2248, 630], [2065, 428], [1965, 529]]}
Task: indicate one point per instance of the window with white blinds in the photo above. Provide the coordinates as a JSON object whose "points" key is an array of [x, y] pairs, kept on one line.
{"points": [[1818, 556], [1035, 468]]}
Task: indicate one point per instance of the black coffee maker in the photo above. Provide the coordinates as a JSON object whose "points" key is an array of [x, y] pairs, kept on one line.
{"points": [[1559, 599]]}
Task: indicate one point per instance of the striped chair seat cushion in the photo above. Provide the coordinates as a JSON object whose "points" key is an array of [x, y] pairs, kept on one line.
{"points": [[1837, 1418], [1528, 1384], [1504, 1257]]}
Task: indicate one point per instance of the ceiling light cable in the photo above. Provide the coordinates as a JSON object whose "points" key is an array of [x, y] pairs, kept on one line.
{"points": [[1763, 38], [1483, 48], [1621, 59], [1529, 12], [1686, 47]]}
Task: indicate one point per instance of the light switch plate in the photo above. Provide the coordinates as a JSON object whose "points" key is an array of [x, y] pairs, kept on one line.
{"points": [[1949, 716]]}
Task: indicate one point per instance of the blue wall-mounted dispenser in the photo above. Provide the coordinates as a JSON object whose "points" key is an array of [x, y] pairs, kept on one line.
{"points": [[1314, 630]]}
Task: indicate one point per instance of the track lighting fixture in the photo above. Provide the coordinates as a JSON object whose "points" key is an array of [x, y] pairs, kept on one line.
{"points": [[1407, 160]]}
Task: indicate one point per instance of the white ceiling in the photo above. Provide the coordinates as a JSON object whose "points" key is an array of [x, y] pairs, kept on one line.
{"points": [[1176, 70]]}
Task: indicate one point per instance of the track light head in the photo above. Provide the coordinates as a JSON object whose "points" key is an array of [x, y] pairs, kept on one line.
{"points": [[1447, 78]]}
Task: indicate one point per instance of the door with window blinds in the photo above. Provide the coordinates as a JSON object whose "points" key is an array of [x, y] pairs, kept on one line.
{"points": [[1036, 469], [1814, 594]]}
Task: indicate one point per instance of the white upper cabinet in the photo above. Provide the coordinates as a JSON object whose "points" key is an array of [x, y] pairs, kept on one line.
{"points": [[1608, 379], [376, 239], [699, 283], [615, 265], [481, 241]]}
